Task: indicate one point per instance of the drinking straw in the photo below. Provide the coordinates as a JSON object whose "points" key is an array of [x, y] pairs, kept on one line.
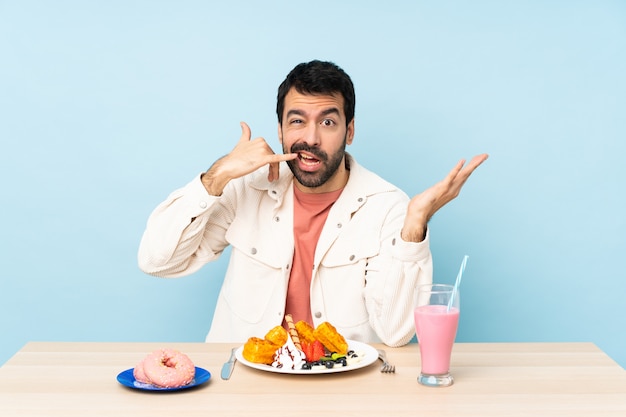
{"points": [[458, 282]]}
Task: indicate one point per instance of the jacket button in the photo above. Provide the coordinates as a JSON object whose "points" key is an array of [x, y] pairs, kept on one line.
{"points": [[203, 204], [339, 225], [318, 315], [352, 257], [276, 219], [253, 251], [393, 241], [360, 200]]}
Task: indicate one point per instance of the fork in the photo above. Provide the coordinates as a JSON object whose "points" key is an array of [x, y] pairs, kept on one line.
{"points": [[387, 368]]}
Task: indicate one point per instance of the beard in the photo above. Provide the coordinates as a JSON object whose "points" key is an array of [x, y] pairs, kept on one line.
{"points": [[330, 164]]}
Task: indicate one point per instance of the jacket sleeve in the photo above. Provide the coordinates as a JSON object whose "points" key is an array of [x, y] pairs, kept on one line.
{"points": [[177, 240], [392, 278]]}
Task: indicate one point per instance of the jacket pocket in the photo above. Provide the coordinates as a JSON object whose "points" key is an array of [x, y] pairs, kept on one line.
{"points": [[255, 282], [350, 251]]}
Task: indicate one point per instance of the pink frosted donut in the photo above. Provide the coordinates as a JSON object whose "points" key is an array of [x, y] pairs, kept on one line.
{"points": [[167, 368], [139, 374]]}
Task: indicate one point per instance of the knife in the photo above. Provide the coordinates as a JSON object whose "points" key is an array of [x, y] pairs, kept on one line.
{"points": [[227, 368]]}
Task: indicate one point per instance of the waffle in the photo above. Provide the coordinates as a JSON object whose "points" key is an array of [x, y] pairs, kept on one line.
{"points": [[277, 335], [259, 350], [330, 338], [305, 331]]}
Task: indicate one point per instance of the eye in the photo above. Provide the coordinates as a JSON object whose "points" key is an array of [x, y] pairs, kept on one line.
{"points": [[328, 122]]}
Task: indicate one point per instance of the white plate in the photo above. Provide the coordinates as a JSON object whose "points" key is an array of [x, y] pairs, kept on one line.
{"points": [[368, 353]]}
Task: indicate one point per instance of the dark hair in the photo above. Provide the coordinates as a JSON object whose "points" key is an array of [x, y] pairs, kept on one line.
{"points": [[318, 77]]}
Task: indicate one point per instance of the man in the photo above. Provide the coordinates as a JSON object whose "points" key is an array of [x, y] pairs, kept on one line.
{"points": [[313, 233]]}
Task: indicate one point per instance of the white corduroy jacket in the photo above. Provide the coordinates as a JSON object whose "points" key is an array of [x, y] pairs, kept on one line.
{"points": [[364, 275]]}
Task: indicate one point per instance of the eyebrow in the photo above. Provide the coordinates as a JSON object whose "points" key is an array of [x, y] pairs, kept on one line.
{"points": [[331, 110], [326, 112]]}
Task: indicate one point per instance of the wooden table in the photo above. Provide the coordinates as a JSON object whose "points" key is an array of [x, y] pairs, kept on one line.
{"points": [[492, 379]]}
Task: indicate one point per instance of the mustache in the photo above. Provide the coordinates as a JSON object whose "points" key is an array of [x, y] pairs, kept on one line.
{"points": [[299, 147]]}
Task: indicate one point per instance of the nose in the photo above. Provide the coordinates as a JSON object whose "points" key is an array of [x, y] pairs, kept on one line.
{"points": [[310, 135]]}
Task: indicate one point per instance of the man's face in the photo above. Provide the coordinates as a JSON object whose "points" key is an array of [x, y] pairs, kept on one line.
{"points": [[314, 127]]}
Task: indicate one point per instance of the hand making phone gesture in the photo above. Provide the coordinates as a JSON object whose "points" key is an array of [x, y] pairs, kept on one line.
{"points": [[247, 156]]}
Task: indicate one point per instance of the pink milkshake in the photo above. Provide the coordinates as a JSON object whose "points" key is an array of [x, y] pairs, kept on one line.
{"points": [[436, 329]]}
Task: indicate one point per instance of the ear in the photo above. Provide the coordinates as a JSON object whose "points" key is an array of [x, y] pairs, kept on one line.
{"points": [[350, 132], [280, 133]]}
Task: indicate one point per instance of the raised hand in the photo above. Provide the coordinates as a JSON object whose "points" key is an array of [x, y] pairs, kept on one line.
{"points": [[424, 205], [247, 156]]}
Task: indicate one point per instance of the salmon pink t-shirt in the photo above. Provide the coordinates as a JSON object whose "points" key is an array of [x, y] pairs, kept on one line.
{"points": [[309, 215]]}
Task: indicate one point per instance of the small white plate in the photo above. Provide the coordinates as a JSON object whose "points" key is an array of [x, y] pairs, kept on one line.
{"points": [[368, 356]]}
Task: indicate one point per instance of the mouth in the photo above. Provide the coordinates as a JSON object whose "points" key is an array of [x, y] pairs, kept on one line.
{"points": [[308, 161], [307, 158]]}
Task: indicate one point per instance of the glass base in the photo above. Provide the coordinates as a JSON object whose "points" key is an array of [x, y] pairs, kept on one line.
{"points": [[444, 380]]}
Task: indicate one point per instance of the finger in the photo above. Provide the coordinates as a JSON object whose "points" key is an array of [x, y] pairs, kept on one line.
{"points": [[479, 159], [459, 181], [276, 158], [245, 132], [474, 163], [455, 171], [274, 170]]}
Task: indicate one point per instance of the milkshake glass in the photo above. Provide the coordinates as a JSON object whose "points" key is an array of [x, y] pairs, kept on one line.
{"points": [[436, 322]]}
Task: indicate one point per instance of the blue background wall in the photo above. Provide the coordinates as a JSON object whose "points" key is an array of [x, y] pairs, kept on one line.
{"points": [[107, 106]]}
